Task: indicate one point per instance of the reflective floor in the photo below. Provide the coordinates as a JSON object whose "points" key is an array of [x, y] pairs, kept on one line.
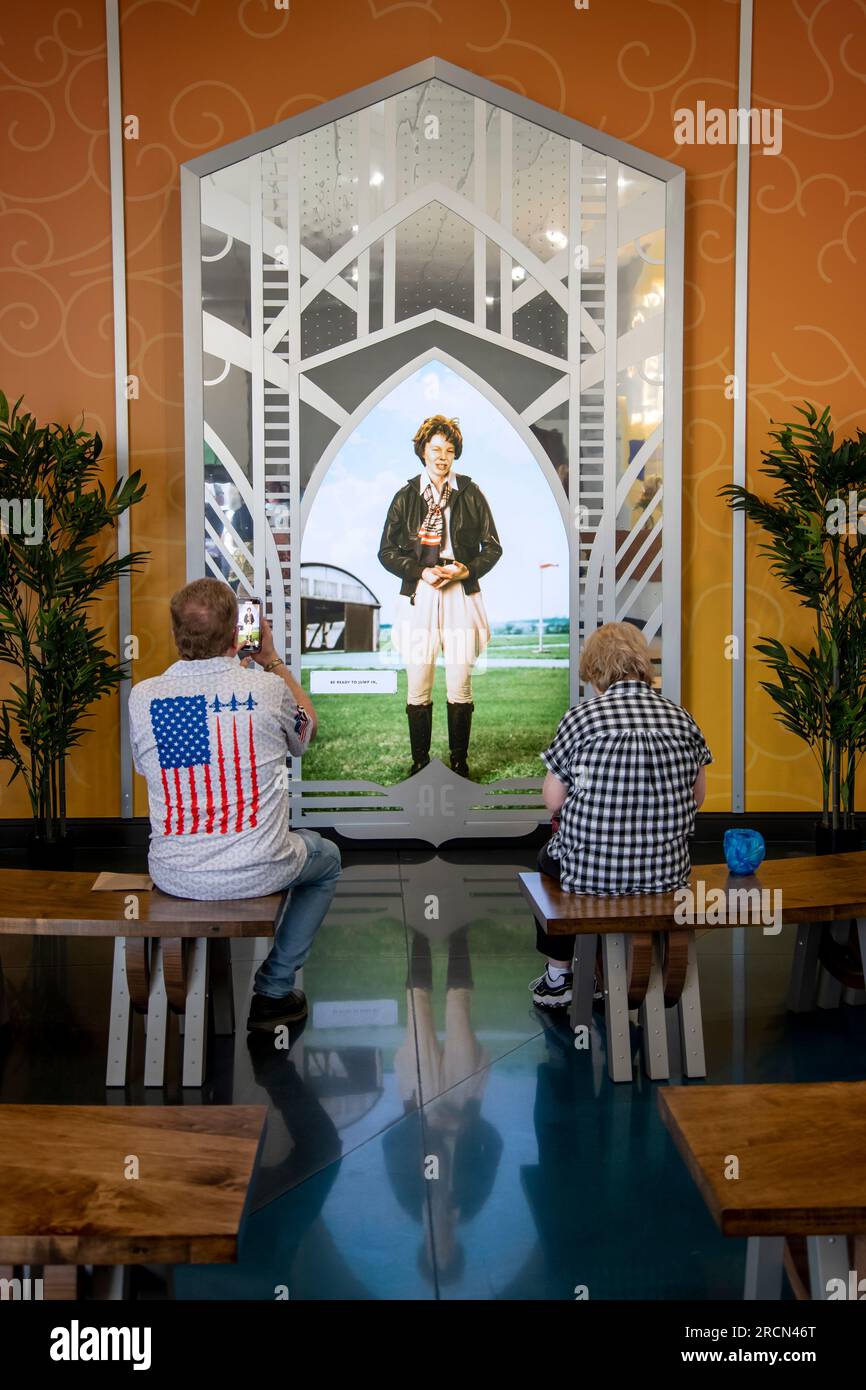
{"points": [[431, 1134]]}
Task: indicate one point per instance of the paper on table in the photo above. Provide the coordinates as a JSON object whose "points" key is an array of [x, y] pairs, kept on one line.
{"points": [[120, 883]]}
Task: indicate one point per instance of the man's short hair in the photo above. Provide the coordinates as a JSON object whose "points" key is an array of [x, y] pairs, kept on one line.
{"points": [[438, 424], [615, 652], [204, 619]]}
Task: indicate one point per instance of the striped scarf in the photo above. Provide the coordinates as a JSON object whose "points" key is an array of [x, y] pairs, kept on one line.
{"points": [[432, 527]]}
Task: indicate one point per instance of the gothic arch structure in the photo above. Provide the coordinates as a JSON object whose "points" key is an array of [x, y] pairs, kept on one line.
{"points": [[436, 216]]}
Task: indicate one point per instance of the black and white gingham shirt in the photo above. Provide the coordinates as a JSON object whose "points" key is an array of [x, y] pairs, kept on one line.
{"points": [[629, 760]]}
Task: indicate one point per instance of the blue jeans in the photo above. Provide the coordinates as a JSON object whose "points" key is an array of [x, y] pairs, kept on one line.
{"points": [[306, 906]]}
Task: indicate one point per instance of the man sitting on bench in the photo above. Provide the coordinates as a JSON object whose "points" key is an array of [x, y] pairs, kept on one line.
{"points": [[211, 736], [625, 776]]}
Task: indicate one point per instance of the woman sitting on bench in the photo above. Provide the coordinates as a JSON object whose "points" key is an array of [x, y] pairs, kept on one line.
{"points": [[625, 776]]}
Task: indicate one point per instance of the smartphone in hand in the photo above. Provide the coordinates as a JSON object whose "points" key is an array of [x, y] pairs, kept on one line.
{"points": [[249, 626]]}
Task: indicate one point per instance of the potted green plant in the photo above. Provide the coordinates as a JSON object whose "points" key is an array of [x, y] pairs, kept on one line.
{"points": [[55, 563], [815, 539]]}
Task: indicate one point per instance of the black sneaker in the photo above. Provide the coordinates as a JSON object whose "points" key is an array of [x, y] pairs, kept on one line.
{"points": [[268, 1014], [549, 996]]}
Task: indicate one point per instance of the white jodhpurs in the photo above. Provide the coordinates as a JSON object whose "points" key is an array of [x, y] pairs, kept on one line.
{"points": [[447, 620]]}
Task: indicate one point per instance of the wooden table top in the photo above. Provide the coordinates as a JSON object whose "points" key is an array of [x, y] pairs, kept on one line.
{"points": [[48, 903], [64, 1198], [812, 889], [800, 1151]]}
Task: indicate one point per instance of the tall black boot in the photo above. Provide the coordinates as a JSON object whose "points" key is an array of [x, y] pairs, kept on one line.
{"points": [[420, 963], [459, 726], [420, 733]]}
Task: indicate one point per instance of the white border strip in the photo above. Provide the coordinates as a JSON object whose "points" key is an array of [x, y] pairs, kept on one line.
{"points": [[121, 365], [362, 318], [257, 380], [389, 241], [741, 323], [575, 277], [506, 264], [611, 299], [193, 370], [672, 441], [480, 200]]}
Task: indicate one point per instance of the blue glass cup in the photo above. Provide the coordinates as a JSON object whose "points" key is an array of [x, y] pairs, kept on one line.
{"points": [[744, 850]]}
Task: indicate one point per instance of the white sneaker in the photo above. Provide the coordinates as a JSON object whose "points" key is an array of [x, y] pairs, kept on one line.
{"points": [[547, 995]]}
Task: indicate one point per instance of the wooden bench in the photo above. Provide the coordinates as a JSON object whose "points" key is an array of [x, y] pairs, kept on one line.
{"points": [[71, 1198], [801, 1173], [648, 960], [168, 958]]}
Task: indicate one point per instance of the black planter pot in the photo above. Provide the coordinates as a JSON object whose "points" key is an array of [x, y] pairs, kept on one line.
{"points": [[843, 840], [50, 854]]}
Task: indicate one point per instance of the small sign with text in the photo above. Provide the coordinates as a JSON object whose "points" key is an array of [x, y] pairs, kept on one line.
{"points": [[353, 682]]}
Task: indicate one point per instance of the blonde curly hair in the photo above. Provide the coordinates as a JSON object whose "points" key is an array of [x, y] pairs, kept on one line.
{"points": [[615, 652]]}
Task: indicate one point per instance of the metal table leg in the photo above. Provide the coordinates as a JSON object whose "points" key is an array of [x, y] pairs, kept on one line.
{"points": [[738, 1003], [157, 1020], [619, 1063], [119, 1020], [689, 1013], [804, 968], [111, 1281], [222, 989], [675, 1043], [764, 1264], [830, 989], [652, 1020], [828, 1259], [195, 1033], [583, 965]]}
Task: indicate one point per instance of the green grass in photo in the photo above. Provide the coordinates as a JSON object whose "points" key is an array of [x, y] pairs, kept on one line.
{"points": [[366, 737]]}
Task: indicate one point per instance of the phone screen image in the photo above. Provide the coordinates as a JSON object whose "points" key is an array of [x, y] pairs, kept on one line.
{"points": [[250, 625]]}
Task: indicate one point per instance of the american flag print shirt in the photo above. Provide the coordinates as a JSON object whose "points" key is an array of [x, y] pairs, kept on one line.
{"points": [[630, 759], [211, 738]]}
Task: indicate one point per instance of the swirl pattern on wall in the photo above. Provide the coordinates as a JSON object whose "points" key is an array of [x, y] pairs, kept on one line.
{"points": [[199, 73]]}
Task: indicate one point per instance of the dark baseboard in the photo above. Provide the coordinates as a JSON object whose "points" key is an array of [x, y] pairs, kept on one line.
{"points": [[86, 832], [788, 826], [115, 832]]}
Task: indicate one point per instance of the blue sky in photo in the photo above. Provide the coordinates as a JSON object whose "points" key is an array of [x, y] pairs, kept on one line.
{"points": [[346, 518]]}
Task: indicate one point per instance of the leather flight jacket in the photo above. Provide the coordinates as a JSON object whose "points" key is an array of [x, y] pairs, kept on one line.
{"points": [[474, 540]]}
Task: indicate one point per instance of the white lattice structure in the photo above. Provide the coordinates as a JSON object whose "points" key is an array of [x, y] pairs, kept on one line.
{"points": [[434, 216]]}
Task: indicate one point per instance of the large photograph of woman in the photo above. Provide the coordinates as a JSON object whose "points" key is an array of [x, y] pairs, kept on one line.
{"points": [[434, 591], [439, 540]]}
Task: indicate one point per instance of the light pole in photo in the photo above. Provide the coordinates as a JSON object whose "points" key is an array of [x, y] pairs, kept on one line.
{"points": [[547, 565]]}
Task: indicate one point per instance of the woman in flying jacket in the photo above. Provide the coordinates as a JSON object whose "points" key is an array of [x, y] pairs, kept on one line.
{"points": [[439, 539]]}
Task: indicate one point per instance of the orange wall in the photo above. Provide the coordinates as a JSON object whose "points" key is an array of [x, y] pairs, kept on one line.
{"points": [[56, 321], [199, 76], [807, 334]]}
